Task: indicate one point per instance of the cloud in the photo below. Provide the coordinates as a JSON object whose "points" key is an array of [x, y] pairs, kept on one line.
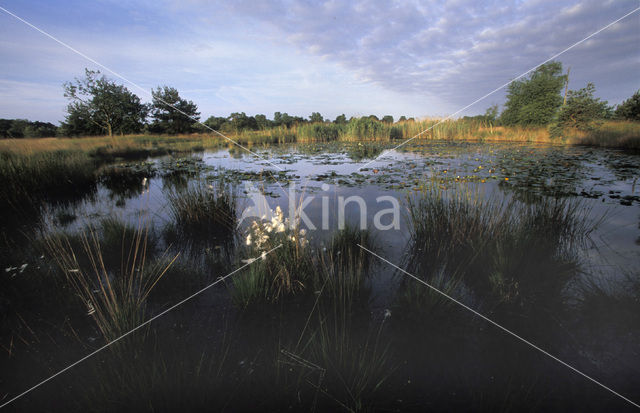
{"points": [[396, 57], [457, 51]]}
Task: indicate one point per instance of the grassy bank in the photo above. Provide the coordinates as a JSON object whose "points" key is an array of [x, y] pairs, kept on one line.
{"points": [[618, 134]]}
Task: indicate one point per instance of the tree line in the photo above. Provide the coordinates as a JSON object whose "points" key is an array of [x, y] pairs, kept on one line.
{"points": [[539, 100], [100, 106]]}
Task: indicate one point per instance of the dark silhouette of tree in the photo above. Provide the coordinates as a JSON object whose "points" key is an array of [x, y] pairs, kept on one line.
{"points": [[172, 114]]}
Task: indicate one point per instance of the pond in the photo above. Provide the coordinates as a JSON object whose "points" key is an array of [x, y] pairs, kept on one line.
{"points": [[478, 221]]}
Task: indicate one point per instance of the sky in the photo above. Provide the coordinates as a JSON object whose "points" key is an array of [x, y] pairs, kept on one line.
{"points": [[413, 58]]}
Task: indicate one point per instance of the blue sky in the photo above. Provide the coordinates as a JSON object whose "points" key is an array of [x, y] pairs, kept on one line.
{"points": [[417, 58]]}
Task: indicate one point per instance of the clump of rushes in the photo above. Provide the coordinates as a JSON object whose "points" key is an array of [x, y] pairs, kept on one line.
{"points": [[343, 266], [517, 254], [204, 209], [350, 356], [115, 296], [284, 271]]}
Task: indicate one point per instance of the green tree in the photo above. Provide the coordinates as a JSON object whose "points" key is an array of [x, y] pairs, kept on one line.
{"points": [[316, 117], [215, 122], [262, 122], [18, 128], [240, 121], [582, 111], [340, 119], [172, 114], [402, 119], [630, 108], [536, 100], [109, 107], [387, 119], [5, 125], [491, 114], [40, 130]]}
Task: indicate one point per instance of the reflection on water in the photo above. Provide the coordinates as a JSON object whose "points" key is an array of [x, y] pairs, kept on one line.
{"points": [[579, 303]]}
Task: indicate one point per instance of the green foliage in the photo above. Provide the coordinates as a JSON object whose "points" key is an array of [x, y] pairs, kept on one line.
{"points": [[99, 105], [240, 121], [367, 127], [215, 122], [630, 108], [316, 117], [491, 113], [340, 119], [172, 114], [262, 122], [319, 132], [582, 111], [23, 128], [387, 119], [534, 101]]}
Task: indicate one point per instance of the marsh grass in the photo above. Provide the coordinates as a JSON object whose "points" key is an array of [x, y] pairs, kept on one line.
{"points": [[31, 179], [114, 295], [203, 210], [510, 253], [612, 134], [280, 275]]}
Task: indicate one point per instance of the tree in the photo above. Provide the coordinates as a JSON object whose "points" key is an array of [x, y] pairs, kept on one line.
{"points": [[491, 114], [316, 117], [630, 108], [582, 111], [215, 122], [18, 128], [340, 119], [387, 119], [535, 101], [240, 121], [402, 119], [172, 114], [40, 130], [107, 106], [262, 122]]}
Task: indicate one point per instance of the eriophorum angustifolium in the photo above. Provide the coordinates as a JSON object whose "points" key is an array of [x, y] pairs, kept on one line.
{"points": [[266, 235], [280, 273]]}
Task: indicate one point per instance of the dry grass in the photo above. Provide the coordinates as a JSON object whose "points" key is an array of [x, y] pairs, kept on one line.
{"points": [[612, 134]]}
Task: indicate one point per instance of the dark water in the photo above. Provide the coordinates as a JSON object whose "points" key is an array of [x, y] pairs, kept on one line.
{"points": [[465, 362]]}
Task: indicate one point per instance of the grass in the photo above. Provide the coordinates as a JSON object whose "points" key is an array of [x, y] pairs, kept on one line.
{"points": [[513, 254], [280, 274], [611, 134], [27, 180], [114, 295], [203, 210]]}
